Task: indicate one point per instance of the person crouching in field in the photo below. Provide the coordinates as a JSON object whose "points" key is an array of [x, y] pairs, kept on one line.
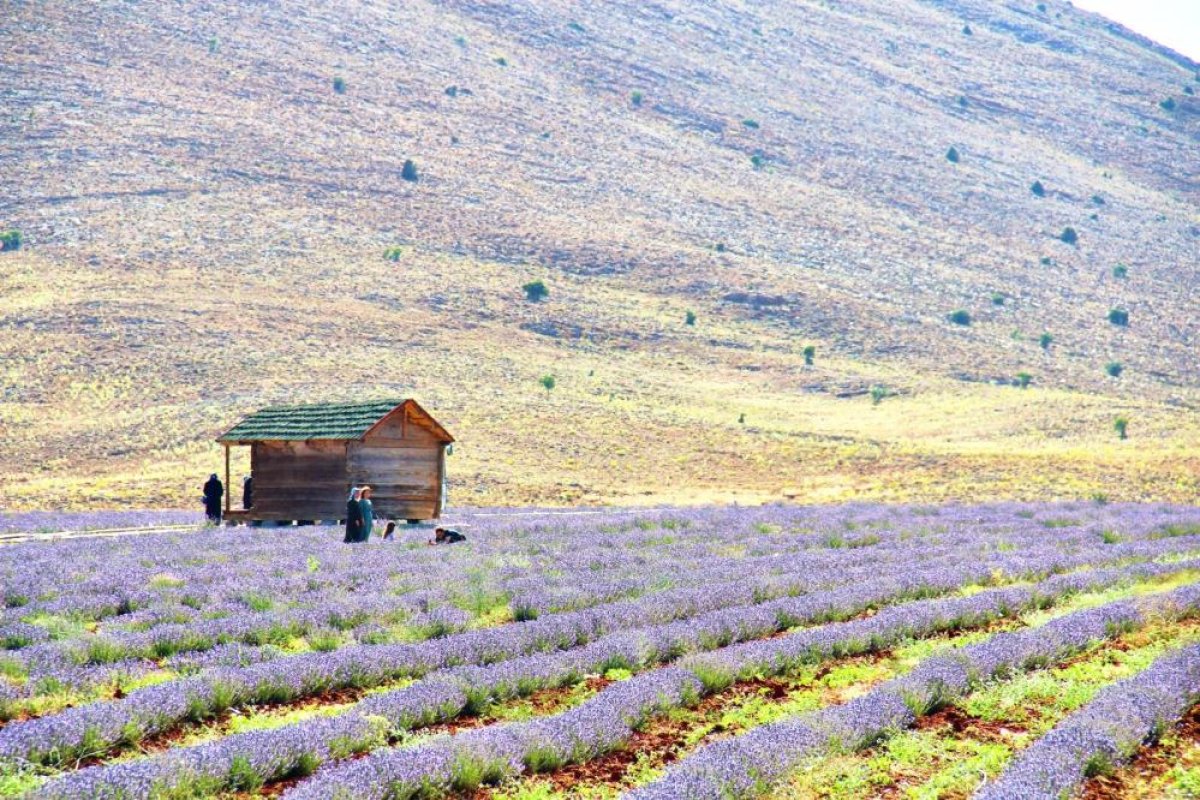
{"points": [[213, 492], [354, 518], [446, 536], [389, 532]]}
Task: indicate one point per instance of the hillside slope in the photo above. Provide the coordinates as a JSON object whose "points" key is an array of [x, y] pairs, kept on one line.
{"points": [[205, 216]]}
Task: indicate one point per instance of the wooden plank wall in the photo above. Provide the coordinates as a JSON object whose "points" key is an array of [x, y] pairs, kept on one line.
{"points": [[300, 480], [400, 460]]}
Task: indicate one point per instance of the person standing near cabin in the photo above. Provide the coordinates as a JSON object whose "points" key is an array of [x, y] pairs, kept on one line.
{"points": [[354, 518], [368, 513], [213, 492], [247, 492]]}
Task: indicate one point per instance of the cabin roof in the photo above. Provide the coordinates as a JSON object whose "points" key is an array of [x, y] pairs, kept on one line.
{"points": [[347, 421]]}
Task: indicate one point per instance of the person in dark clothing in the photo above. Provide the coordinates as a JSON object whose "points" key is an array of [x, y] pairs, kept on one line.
{"points": [[247, 492], [354, 520], [389, 532], [446, 536], [213, 492]]}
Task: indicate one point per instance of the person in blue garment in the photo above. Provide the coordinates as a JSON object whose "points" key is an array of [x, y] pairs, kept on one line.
{"points": [[368, 513], [354, 518]]}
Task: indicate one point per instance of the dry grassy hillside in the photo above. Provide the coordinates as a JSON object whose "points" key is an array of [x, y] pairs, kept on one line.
{"points": [[206, 192]]}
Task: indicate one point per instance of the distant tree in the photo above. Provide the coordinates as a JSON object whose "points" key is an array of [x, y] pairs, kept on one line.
{"points": [[393, 254], [1045, 340], [742, 418], [750, 123], [548, 382], [720, 247], [1024, 379], [758, 160], [810, 351], [689, 318], [1189, 90], [967, 30], [1114, 369], [1168, 104], [952, 155], [1041, 7], [1097, 200], [409, 171], [1069, 235], [963, 102], [1047, 261], [1121, 271], [536, 291], [339, 84], [635, 97], [452, 91], [878, 393], [1120, 425], [1038, 189], [501, 60], [960, 317], [10, 240], [1118, 316], [998, 299], [213, 44], [575, 26]]}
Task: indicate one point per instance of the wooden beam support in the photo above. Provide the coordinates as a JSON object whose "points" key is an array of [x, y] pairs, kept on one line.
{"points": [[228, 485]]}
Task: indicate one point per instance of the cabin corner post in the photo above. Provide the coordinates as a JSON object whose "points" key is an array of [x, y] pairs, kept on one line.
{"points": [[228, 487]]}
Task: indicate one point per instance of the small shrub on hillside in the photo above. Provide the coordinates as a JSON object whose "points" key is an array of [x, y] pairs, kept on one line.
{"points": [[393, 254], [720, 247], [750, 123], [452, 91], [501, 61], [339, 84], [1189, 90], [575, 26], [1121, 271], [1118, 316], [636, 98], [1041, 7], [967, 30], [1038, 189], [1168, 104], [998, 299], [409, 171], [536, 291], [1045, 340], [810, 352], [1114, 369], [1047, 261], [758, 160], [952, 155], [1069, 235], [10, 240], [689, 318], [213, 45], [1121, 425], [959, 317], [548, 382], [1097, 200], [742, 418], [1024, 379], [878, 393]]}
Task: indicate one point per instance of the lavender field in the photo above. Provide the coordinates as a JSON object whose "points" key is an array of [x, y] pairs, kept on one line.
{"points": [[1000, 651]]}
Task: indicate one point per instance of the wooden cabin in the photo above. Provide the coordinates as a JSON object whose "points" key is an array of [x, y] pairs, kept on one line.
{"points": [[304, 459]]}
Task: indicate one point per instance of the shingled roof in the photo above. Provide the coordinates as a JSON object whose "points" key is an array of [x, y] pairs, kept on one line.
{"points": [[323, 421]]}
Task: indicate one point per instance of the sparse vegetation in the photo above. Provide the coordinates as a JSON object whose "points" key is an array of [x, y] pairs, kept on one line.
{"points": [[742, 418], [952, 155], [879, 392], [536, 291], [1114, 369], [339, 84], [966, 29], [1097, 200], [548, 382], [1045, 340], [213, 45], [10, 240], [758, 160], [810, 351], [1069, 236], [1119, 317], [999, 299], [1038, 189], [960, 317], [750, 123], [1121, 426], [1024, 379], [635, 97], [1168, 104], [393, 253], [1120, 271], [409, 171], [689, 318], [501, 61]]}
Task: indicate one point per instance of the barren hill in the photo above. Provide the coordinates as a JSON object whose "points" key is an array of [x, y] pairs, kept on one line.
{"points": [[206, 193]]}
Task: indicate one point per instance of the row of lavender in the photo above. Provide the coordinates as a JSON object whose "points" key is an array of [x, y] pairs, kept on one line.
{"points": [[742, 766], [99, 726], [296, 749], [156, 708]]}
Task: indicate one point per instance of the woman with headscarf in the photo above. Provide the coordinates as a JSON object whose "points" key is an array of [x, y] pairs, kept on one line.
{"points": [[368, 513], [354, 518], [213, 492]]}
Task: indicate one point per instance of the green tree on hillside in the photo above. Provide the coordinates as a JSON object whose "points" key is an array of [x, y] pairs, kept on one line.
{"points": [[536, 291], [809, 352], [409, 171], [10, 240], [1120, 425], [339, 84], [548, 382]]}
